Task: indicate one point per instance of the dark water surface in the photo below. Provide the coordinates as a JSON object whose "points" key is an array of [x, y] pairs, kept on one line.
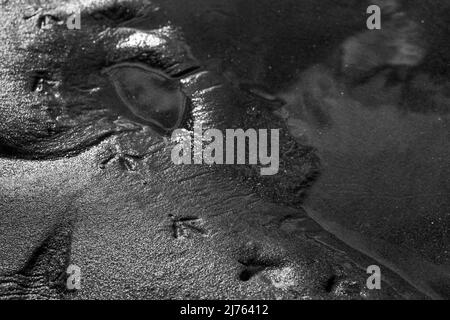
{"points": [[384, 187]]}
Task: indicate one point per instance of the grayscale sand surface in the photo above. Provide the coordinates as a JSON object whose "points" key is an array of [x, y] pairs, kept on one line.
{"points": [[86, 176]]}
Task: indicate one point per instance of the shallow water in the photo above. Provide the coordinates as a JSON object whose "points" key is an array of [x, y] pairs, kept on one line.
{"points": [[384, 187]]}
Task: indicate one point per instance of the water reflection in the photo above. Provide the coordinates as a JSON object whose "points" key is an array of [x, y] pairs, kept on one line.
{"points": [[385, 183]]}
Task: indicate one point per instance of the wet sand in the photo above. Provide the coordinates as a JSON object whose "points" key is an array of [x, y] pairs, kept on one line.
{"points": [[383, 188]]}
